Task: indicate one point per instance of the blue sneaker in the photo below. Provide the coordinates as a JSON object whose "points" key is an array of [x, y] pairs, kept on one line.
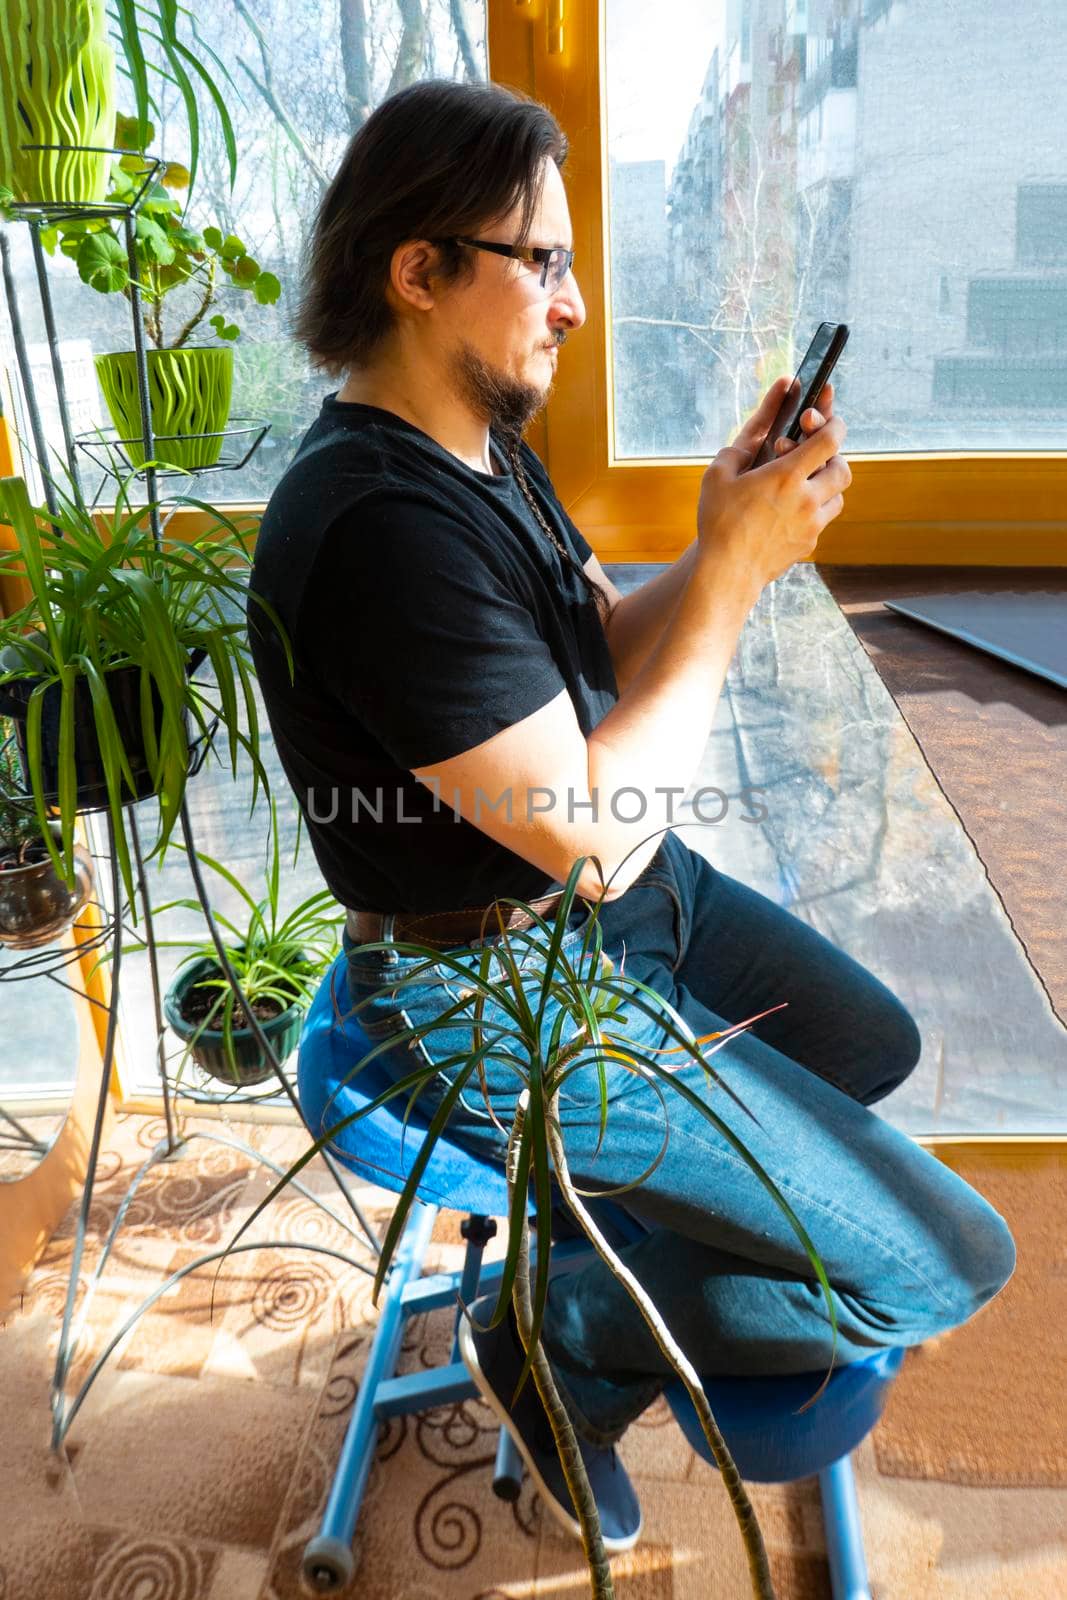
{"points": [[494, 1360]]}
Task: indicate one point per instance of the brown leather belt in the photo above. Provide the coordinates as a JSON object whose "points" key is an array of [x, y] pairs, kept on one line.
{"points": [[442, 929]]}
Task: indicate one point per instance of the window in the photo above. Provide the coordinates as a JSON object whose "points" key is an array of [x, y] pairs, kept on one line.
{"points": [[295, 64], [733, 233]]}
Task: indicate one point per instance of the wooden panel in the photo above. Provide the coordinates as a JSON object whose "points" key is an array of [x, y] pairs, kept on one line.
{"points": [[32, 1207]]}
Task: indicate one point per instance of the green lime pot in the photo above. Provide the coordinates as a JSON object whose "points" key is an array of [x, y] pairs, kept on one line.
{"points": [[57, 86], [188, 393], [208, 1047]]}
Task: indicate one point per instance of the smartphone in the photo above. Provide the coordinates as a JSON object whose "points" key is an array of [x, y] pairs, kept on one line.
{"points": [[811, 378]]}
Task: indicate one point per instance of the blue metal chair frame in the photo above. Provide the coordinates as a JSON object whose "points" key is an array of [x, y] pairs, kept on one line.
{"points": [[756, 1415]]}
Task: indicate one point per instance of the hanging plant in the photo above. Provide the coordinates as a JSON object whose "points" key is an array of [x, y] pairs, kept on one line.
{"points": [[96, 668]]}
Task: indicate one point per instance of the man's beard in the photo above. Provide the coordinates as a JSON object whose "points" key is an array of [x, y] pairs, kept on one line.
{"points": [[506, 403]]}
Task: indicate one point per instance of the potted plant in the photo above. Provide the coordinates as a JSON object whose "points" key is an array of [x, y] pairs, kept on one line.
{"points": [[189, 384], [36, 905], [278, 961], [96, 668], [592, 997], [57, 88]]}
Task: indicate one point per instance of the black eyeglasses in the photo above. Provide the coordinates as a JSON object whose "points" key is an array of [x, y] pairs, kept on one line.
{"points": [[555, 262]]}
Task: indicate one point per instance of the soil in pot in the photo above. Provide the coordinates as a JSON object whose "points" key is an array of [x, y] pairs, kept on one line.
{"points": [[197, 1004], [188, 1009]]}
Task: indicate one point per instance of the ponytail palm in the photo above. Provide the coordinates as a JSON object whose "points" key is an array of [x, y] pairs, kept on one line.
{"points": [[103, 598], [594, 1003]]}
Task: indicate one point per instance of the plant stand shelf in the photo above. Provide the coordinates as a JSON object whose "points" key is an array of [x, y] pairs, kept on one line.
{"points": [[64, 1406]]}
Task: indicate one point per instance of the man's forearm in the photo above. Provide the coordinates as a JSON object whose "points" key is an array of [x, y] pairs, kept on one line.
{"points": [[639, 618]]}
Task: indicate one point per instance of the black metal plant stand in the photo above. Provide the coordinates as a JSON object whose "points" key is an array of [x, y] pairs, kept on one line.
{"points": [[64, 1407]]}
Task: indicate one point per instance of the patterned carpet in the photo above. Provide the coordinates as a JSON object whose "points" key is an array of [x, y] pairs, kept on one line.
{"points": [[201, 1459]]}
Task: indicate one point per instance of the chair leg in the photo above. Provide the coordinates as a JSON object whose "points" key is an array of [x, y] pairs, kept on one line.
{"points": [[328, 1561], [508, 1469], [844, 1532]]}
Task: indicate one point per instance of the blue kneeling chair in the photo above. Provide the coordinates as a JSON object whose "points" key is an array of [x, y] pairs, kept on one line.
{"points": [[767, 1441]]}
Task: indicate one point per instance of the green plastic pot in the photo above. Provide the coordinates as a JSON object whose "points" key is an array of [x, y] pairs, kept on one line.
{"points": [[57, 86], [208, 1049], [188, 393]]}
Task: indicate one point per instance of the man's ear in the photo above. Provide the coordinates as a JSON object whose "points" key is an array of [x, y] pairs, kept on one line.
{"points": [[414, 267]]}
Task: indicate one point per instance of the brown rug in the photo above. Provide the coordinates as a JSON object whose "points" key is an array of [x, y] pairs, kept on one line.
{"points": [[994, 735], [200, 1462]]}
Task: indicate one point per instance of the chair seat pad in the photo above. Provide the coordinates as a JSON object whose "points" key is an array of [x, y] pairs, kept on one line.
{"points": [[768, 1443]]}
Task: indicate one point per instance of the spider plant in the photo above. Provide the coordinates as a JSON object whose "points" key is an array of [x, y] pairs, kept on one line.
{"points": [[278, 959], [594, 1000], [163, 22], [111, 615]]}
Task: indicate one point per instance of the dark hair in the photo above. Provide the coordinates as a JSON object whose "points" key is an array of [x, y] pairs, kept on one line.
{"points": [[436, 160]]}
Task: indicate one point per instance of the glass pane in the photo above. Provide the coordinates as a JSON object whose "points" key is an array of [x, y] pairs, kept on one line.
{"points": [[779, 163], [39, 1046], [813, 791], [323, 80]]}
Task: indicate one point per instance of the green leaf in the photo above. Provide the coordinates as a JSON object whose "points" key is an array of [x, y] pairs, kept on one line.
{"points": [[129, 136], [133, 51], [246, 270], [186, 238], [213, 238], [102, 262], [157, 199], [154, 241], [170, 276], [232, 246], [224, 329], [123, 185], [267, 289], [229, 138]]}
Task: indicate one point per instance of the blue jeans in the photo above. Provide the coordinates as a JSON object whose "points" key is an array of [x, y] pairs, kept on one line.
{"points": [[909, 1248]]}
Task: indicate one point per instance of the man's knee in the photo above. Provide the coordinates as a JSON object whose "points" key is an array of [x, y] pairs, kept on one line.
{"points": [[985, 1264], [900, 1045]]}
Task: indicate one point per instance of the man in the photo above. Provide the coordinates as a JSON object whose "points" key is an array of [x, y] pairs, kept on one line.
{"points": [[460, 654]]}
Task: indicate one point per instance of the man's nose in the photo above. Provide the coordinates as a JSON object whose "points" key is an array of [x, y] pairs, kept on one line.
{"points": [[567, 303]]}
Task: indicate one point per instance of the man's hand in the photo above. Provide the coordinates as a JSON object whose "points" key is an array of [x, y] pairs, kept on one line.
{"points": [[753, 432], [810, 421]]}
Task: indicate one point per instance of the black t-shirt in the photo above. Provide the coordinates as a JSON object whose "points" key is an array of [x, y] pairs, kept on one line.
{"points": [[427, 611]]}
